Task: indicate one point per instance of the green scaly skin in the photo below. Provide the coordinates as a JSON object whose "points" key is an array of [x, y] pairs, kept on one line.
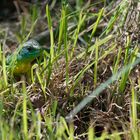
{"points": [[21, 60]]}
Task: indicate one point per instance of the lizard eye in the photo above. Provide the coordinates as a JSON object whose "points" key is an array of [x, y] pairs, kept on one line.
{"points": [[30, 48]]}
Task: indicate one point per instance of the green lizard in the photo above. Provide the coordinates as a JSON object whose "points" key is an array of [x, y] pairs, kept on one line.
{"points": [[21, 61]]}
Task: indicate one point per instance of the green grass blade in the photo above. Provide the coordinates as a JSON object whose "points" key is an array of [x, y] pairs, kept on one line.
{"points": [[51, 32], [25, 127], [52, 43], [116, 65], [66, 44], [75, 36], [90, 133], [133, 113], [95, 65], [96, 24]]}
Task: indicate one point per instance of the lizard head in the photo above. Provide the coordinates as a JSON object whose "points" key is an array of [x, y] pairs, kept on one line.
{"points": [[29, 51], [26, 54]]}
